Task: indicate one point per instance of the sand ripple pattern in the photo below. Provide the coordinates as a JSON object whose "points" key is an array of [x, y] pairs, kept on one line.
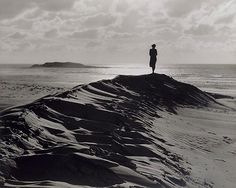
{"points": [[97, 135]]}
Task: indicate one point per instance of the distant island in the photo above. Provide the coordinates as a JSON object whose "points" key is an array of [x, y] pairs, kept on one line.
{"points": [[61, 65]]}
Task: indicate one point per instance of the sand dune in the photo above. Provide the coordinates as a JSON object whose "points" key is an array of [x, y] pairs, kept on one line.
{"points": [[131, 131]]}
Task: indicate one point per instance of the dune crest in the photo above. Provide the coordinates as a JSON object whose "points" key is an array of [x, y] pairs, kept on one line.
{"points": [[103, 134]]}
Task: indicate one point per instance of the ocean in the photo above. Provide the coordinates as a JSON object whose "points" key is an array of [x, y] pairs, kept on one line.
{"points": [[20, 84]]}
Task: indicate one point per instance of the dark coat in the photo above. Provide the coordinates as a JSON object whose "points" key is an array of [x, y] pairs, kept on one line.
{"points": [[153, 57]]}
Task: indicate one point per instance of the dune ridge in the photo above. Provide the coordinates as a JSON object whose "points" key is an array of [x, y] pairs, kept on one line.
{"points": [[98, 135]]}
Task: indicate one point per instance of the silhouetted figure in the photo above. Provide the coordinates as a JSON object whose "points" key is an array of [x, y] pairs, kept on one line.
{"points": [[153, 57]]}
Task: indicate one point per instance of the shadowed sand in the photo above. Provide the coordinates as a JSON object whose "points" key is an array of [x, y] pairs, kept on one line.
{"points": [[143, 131]]}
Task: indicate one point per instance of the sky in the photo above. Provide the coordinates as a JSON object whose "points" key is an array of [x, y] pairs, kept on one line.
{"points": [[118, 31]]}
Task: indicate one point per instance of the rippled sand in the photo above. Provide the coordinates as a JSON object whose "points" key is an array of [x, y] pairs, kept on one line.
{"points": [[143, 131]]}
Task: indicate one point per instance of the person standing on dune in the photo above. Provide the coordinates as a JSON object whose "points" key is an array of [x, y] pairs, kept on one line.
{"points": [[153, 57]]}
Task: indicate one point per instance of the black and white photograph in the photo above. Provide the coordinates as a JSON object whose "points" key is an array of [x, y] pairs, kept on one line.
{"points": [[117, 93]]}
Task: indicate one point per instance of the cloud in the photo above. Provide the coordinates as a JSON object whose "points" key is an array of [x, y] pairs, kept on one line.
{"points": [[200, 30], [23, 24], [72, 25], [51, 33], [55, 5], [23, 46], [116, 35], [180, 8], [99, 20], [92, 44], [121, 6], [17, 35], [86, 34], [226, 19], [46, 24], [6, 46], [11, 8], [129, 22]]}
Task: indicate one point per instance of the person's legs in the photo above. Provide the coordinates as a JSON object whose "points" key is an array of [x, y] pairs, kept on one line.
{"points": [[153, 69]]}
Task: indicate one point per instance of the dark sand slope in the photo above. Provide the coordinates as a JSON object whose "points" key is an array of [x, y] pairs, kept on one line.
{"points": [[104, 134]]}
